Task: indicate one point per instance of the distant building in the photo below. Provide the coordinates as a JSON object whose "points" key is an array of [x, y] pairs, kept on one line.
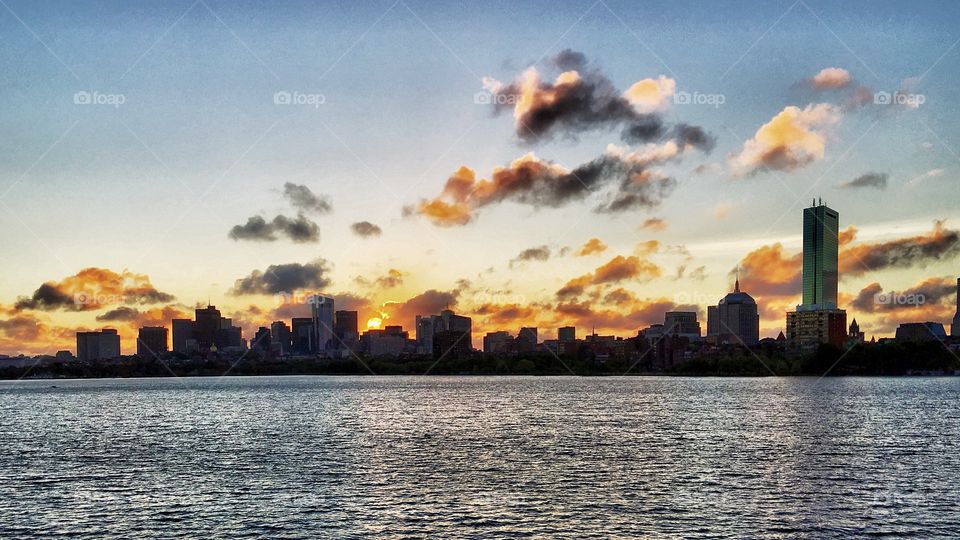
{"points": [[925, 331], [345, 325], [682, 323], [151, 341], [567, 333], [280, 337], [955, 327], [818, 320], [457, 332], [303, 339], [390, 341], [262, 340], [735, 319], [206, 327], [808, 329], [500, 342], [527, 339], [101, 345], [855, 335], [321, 311], [184, 340]]}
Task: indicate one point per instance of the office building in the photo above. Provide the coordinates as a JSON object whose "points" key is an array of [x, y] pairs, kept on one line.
{"points": [[390, 341], [821, 229], [280, 337], [102, 345], [262, 340], [567, 333], [321, 312], [735, 319], [345, 326], [682, 323], [424, 333], [206, 326], [925, 331], [457, 330], [527, 339], [818, 320], [183, 336], [302, 336], [500, 342], [151, 341]]}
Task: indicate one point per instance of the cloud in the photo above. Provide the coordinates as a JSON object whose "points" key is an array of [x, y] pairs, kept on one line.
{"points": [[581, 99], [539, 253], [649, 95], [831, 78], [365, 229], [870, 179], [284, 278], [939, 244], [722, 209], [91, 289], [393, 278], [933, 293], [916, 180], [615, 270], [300, 230], [593, 246], [654, 224], [768, 271], [305, 200], [792, 139]]}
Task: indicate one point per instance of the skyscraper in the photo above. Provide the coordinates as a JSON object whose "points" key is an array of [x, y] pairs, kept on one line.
{"points": [[151, 341], [206, 326], [321, 312], [184, 339], [104, 344], [821, 229], [735, 319], [817, 320]]}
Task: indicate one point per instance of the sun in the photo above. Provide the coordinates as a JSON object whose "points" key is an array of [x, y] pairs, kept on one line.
{"points": [[374, 322]]}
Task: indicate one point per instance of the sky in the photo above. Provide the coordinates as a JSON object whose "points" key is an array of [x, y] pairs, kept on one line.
{"points": [[526, 164]]}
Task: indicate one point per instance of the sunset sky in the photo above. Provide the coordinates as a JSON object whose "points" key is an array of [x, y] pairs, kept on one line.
{"points": [[534, 164]]}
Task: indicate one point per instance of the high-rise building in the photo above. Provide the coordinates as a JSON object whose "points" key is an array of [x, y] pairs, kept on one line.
{"points": [[682, 323], [527, 339], [151, 341], [321, 311], [735, 320], [955, 327], [280, 336], [821, 230], [183, 335], [101, 345], [303, 339], [345, 325], [500, 342], [424, 332], [818, 320], [262, 339], [206, 327], [567, 333]]}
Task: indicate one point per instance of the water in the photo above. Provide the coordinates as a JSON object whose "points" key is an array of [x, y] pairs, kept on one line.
{"points": [[451, 457]]}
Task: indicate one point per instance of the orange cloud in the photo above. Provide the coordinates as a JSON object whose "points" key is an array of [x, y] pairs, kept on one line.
{"points": [[792, 139], [654, 224], [591, 247], [831, 78], [92, 289], [938, 244]]}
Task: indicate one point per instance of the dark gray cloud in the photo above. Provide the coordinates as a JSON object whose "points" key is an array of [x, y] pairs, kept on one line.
{"points": [[365, 229], [868, 180], [695, 136], [931, 291], [48, 297], [305, 200], [539, 253], [300, 229], [284, 278], [122, 313]]}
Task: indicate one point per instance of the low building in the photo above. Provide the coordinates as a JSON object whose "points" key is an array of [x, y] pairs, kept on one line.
{"points": [[925, 331], [808, 329]]}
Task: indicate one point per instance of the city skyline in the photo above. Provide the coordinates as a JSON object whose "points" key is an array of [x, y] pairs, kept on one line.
{"points": [[202, 163]]}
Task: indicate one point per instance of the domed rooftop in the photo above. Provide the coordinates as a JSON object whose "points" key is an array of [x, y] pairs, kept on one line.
{"points": [[737, 297]]}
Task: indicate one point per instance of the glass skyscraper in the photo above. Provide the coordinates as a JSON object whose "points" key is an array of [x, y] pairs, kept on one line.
{"points": [[821, 229]]}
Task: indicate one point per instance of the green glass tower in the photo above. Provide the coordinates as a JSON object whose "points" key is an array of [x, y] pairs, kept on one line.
{"points": [[821, 229]]}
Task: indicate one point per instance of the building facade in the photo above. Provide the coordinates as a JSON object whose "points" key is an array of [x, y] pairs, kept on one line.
{"points": [[735, 319], [321, 311], [151, 341], [821, 230], [102, 345]]}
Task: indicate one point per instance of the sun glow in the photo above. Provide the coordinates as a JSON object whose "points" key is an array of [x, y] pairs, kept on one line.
{"points": [[374, 322]]}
